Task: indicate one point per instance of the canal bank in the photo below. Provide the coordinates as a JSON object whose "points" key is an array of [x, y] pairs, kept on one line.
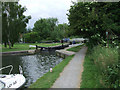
{"points": [[50, 78], [34, 66], [47, 80], [37, 50], [43, 64], [24, 52], [65, 53]]}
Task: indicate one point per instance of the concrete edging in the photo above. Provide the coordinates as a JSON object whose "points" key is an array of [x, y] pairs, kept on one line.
{"points": [[64, 53], [25, 52]]}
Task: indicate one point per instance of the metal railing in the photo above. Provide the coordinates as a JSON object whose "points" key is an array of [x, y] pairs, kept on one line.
{"points": [[7, 67]]}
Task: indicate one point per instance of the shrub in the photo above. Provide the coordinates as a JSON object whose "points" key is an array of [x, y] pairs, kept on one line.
{"points": [[32, 37]]}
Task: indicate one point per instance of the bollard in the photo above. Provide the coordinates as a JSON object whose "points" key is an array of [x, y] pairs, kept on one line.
{"points": [[50, 69]]}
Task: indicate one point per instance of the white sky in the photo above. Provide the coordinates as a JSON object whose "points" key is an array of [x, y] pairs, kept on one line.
{"points": [[45, 9]]}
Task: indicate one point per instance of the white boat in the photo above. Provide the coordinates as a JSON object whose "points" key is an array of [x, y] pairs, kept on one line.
{"points": [[11, 80]]}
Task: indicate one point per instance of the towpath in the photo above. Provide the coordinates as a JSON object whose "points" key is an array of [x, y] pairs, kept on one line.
{"points": [[71, 75]]}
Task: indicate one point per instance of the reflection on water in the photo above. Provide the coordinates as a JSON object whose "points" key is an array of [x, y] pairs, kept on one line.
{"points": [[34, 66]]}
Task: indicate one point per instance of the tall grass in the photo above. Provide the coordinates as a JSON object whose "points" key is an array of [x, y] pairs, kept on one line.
{"points": [[106, 61], [90, 76], [104, 57]]}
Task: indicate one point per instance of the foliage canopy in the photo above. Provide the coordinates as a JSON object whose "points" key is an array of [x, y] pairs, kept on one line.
{"points": [[92, 19], [47, 29], [13, 22]]}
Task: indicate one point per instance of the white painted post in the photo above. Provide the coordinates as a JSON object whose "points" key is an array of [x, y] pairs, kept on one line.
{"points": [[50, 69]]}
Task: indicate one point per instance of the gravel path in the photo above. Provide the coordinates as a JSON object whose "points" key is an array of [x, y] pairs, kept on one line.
{"points": [[71, 75]]}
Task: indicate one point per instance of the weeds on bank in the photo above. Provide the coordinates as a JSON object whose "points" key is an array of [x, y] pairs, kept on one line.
{"points": [[101, 68], [90, 76], [106, 61]]}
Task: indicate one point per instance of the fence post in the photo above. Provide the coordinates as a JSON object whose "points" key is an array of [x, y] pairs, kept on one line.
{"points": [[36, 47]]}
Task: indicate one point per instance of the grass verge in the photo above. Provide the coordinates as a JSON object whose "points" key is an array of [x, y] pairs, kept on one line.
{"points": [[101, 68], [25, 46], [90, 76], [75, 49], [107, 63], [49, 78]]}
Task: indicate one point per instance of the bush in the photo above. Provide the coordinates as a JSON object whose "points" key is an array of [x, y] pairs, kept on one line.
{"points": [[111, 76], [32, 37], [56, 35], [106, 60]]}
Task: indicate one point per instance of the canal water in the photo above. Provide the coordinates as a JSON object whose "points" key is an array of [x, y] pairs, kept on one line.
{"points": [[34, 66]]}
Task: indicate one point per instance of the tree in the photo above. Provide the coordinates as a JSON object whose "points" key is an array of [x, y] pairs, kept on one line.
{"points": [[49, 29], [92, 20], [31, 37], [0, 23], [64, 29], [13, 22], [44, 27]]}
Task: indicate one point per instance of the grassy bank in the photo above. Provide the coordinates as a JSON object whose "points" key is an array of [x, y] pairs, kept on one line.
{"points": [[49, 78], [106, 60], [90, 76], [101, 68], [75, 49], [25, 46]]}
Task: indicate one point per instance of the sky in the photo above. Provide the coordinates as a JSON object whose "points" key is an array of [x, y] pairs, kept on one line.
{"points": [[45, 9]]}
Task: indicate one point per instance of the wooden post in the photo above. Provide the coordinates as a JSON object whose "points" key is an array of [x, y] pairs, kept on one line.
{"points": [[41, 48], [107, 41], [36, 47], [62, 42], [107, 38]]}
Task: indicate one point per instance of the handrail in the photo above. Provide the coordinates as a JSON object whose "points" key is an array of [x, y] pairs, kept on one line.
{"points": [[20, 70], [7, 67]]}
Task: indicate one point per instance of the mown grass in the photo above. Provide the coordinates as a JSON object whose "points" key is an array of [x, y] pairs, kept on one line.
{"points": [[25, 46], [49, 78], [90, 76], [75, 49]]}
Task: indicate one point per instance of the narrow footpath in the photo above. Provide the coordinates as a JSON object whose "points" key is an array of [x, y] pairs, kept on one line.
{"points": [[71, 75]]}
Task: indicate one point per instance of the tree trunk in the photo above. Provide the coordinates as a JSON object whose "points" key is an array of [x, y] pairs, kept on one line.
{"points": [[9, 44], [12, 44], [5, 44]]}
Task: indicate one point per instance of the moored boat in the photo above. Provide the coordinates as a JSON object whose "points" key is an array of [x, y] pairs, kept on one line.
{"points": [[11, 80]]}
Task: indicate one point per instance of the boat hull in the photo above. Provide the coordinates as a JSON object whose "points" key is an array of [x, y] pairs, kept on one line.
{"points": [[13, 80]]}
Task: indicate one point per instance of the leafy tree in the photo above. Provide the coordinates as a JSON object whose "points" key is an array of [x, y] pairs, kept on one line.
{"points": [[92, 20], [57, 34], [31, 37], [64, 29], [44, 27], [48, 29], [13, 22], [0, 23]]}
